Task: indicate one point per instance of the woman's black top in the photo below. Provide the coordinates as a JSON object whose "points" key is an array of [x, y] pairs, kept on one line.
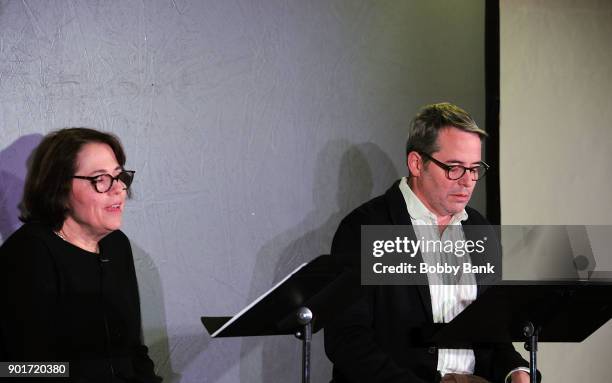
{"points": [[62, 303]]}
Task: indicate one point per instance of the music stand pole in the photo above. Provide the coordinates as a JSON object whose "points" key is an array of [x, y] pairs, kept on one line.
{"points": [[531, 345], [304, 318]]}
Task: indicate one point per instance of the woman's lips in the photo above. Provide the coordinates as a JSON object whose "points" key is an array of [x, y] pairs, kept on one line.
{"points": [[114, 208]]}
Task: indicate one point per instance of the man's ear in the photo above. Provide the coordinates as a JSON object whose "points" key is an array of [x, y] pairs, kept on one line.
{"points": [[414, 163]]}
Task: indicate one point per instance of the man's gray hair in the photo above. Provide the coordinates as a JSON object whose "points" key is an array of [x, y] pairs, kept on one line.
{"points": [[427, 124]]}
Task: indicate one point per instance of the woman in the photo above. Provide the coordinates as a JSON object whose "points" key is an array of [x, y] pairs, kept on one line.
{"points": [[68, 285]]}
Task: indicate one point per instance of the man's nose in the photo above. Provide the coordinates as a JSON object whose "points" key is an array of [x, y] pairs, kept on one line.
{"points": [[467, 179]]}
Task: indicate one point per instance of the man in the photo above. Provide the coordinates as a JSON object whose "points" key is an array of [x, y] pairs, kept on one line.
{"points": [[372, 341]]}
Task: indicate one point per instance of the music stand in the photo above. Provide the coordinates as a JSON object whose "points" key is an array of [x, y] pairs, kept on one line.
{"points": [[552, 311], [300, 304]]}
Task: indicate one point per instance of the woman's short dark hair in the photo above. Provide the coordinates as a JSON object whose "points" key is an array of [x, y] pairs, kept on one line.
{"points": [[51, 167]]}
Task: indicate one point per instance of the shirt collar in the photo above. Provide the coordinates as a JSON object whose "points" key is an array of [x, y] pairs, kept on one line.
{"points": [[417, 210]]}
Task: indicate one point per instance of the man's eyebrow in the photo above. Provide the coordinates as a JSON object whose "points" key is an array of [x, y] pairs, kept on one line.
{"points": [[458, 162]]}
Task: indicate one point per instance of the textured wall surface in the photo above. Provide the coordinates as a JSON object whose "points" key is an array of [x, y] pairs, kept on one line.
{"points": [[254, 127], [555, 139]]}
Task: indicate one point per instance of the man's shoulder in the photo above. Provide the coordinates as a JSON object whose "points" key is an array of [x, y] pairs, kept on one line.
{"points": [[474, 217], [372, 210], [346, 239], [378, 210]]}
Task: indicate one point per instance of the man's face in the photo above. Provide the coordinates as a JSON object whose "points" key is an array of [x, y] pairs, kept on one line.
{"points": [[442, 196]]}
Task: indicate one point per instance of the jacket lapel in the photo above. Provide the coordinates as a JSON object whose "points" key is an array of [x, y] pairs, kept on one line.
{"points": [[399, 216]]}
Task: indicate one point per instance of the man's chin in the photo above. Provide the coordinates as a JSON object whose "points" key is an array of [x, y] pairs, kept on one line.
{"points": [[457, 208]]}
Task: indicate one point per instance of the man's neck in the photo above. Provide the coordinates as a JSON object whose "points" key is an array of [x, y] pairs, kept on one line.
{"points": [[442, 220], [443, 223]]}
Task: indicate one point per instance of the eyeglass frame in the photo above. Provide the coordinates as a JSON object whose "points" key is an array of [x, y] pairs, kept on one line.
{"points": [[448, 168], [94, 180]]}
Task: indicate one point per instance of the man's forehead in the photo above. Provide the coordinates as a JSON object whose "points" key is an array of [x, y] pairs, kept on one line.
{"points": [[459, 145]]}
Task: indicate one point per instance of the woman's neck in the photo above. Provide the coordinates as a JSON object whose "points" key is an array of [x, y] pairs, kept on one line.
{"points": [[75, 234]]}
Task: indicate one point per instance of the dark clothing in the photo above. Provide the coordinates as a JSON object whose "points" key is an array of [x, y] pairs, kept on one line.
{"points": [[374, 340], [62, 303]]}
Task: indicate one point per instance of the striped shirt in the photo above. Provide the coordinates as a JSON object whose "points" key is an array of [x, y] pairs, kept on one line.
{"points": [[447, 300]]}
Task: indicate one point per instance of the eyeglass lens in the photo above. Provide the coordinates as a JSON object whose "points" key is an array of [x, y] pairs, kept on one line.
{"points": [[105, 182], [456, 172]]}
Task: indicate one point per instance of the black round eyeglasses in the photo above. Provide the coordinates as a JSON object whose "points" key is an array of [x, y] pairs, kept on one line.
{"points": [[454, 172], [104, 182]]}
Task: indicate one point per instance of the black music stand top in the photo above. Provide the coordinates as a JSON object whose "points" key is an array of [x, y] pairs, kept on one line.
{"points": [[563, 311], [322, 285]]}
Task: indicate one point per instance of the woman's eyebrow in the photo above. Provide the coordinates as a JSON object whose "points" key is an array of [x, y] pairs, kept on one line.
{"points": [[104, 171]]}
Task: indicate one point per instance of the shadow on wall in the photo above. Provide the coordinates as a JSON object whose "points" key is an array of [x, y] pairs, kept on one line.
{"points": [[13, 170], [173, 356], [352, 174], [153, 313]]}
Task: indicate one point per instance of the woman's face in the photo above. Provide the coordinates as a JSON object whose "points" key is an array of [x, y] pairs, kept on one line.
{"points": [[97, 214]]}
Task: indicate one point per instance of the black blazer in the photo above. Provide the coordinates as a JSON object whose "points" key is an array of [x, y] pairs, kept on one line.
{"points": [[372, 341], [62, 303]]}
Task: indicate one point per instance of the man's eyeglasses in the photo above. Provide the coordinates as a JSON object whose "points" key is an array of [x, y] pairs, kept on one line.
{"points": [[104, 182], [454, 172]]}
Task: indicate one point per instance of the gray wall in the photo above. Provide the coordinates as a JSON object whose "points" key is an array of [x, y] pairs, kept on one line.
{"points": [[555, 138], [254, 127]]}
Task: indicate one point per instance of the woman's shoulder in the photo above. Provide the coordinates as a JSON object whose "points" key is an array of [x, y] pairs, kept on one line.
{"points": [[28, 234], [116, 237], [115, 242], [32, 242]]}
